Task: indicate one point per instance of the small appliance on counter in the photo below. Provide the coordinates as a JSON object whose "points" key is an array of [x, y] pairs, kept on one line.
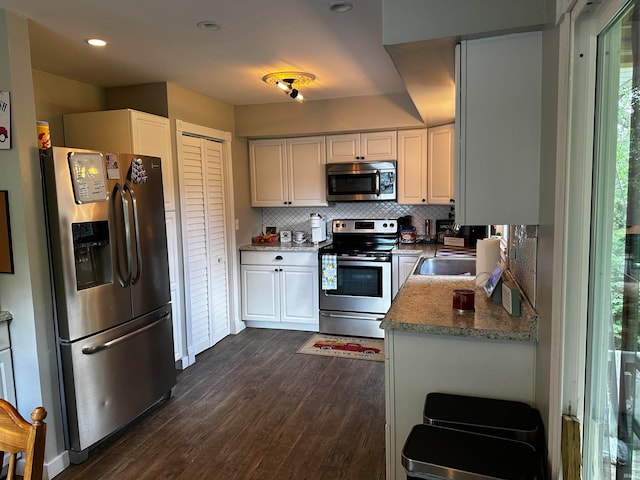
{"points": [[318, 228], [407, 230], [454, 234]]}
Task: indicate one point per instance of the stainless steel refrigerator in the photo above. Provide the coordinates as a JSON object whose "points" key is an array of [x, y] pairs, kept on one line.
{"points": [[108, 253]]}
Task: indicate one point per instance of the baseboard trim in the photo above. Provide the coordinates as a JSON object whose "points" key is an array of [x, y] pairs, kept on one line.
{"points": [[53, 467]]}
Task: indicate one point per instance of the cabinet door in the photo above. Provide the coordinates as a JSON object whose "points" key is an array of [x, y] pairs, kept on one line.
{"points": [[412, 167], [499, 85], [441, 163], [267, 164], [402, 267], [307, 184], [406, 265], [343, 148], [376, 146], [152, 136], [260, 293], [299, 294]]}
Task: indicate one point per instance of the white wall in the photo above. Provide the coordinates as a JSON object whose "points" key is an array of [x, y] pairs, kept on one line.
{"points": [[405, 21], [27, 293]]}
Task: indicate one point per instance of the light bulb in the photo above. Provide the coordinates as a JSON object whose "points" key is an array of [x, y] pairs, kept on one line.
{"points": [[296, 95], [283, 86]]}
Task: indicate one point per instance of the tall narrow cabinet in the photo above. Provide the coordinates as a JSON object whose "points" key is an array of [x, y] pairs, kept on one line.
{"points": [[142, 133]]}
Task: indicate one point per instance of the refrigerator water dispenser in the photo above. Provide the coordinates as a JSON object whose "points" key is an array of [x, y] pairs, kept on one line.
{"points": [[92, 254]]}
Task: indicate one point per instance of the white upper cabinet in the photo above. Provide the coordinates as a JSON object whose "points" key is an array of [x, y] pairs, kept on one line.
{"points": [[441, 164], [354, 147], [426, 166], [267, 164], [412, 167], [498, 123], [288, 172], [125, 131]]}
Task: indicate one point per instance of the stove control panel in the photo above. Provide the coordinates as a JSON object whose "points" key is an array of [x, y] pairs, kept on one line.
{"points": [[375, 226]]}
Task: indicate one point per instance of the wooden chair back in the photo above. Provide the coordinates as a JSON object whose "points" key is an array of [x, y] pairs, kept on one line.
{"points": [[19, 436]]}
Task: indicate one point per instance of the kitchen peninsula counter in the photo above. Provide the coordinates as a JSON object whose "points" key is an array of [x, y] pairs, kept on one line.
{"points": [[425, 305], [429, 347]]}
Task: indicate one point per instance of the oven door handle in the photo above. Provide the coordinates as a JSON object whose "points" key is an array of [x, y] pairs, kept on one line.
{"points": [[378, 182], [353, 317], [348, 258]]}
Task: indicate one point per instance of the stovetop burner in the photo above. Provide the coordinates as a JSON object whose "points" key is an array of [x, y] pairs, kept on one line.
{"points": [[362, 237]]}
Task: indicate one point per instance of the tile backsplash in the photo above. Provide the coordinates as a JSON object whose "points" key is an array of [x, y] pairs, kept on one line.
{"points": [[297, 218], [523, 250]]}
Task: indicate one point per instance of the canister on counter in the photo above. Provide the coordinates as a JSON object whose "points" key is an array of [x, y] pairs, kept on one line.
{"points": [[463, 300], [44, 135]]}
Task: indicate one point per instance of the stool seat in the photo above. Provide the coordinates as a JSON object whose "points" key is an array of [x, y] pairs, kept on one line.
{"points": [[434, 452]]}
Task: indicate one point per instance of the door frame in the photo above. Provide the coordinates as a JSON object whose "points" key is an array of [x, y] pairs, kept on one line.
{"points": [[576, 122]]}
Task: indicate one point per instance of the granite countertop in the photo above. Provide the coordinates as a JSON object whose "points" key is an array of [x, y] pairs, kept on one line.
{"points": [[5, 316], [285, 247], [424, 305]]}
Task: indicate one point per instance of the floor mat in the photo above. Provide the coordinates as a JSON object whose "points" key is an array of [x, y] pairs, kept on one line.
{"points": [[346, 347]]}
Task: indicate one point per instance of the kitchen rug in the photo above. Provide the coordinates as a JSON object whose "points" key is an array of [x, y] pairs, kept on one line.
{"points": [[346, 347]]}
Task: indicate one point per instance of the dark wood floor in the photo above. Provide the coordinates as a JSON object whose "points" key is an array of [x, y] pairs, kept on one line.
{"points": [[251, 408]]}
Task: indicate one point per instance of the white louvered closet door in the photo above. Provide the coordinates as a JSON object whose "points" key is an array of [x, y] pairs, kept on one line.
{"points": [[205, 256]]}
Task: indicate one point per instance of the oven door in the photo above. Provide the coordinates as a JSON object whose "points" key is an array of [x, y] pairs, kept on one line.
{"points": [[363, 285]]}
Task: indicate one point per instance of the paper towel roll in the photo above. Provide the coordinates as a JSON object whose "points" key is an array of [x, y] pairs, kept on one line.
{"points": [[487, 255]]}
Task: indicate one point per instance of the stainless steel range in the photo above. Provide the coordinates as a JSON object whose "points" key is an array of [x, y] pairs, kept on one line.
{"points": [[355, 271]]}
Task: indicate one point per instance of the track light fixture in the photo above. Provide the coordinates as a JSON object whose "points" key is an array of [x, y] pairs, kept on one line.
{"points": [[285, 81]]}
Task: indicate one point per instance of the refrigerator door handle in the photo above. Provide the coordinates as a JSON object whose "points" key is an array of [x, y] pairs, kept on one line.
{"points": [[124, 280], [91, 349], [136, 233]]}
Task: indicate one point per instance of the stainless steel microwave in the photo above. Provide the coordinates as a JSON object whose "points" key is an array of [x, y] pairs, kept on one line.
{"points": [[361, 181]]}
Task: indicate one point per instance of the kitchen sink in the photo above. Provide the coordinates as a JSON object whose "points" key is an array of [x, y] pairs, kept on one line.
{"points": [[445, 266]]}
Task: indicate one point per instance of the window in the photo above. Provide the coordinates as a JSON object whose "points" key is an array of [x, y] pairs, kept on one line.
{"points": [[612, 414]]}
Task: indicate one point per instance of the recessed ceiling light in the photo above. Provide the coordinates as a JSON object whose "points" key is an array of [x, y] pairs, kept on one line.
{"points": [[208, 25], [96, 42], [339, 7]]}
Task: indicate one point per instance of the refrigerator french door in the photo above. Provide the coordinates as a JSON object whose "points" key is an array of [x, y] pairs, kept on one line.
{"points": [[108, 253]]}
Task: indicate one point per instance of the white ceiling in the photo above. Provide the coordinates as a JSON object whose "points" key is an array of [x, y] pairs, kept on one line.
{"points": [[158, 40]]}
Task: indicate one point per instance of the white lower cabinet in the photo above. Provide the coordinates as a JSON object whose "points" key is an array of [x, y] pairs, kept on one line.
{"points": [[280, 289], [7, 388], [401, 267]]}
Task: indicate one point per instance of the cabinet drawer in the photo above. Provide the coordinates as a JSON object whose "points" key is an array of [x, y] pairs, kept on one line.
{"points": [[279, 257]]}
